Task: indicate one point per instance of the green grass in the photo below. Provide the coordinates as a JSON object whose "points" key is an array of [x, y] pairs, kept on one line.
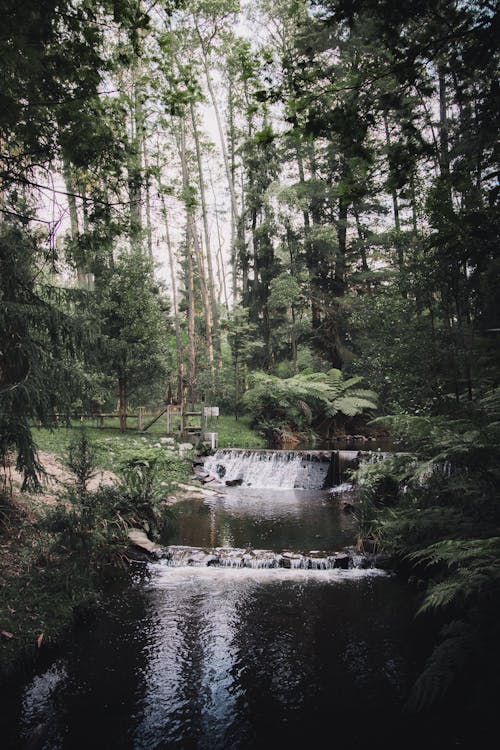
{"points": [[43, 583], [235, 433], [112, 444]]}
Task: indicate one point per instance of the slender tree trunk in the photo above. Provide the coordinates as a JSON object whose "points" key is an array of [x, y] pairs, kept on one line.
{"points": [[234, 219], [444, 158], [173, 282], [225, 156], [122, 403], [310, 259], [413, 200], [454, 280], [362, 248], [81, 275], [135, 163], [200, 263], [73, 211], [191, 314], [395, 202], [194, 242], [147, 188], [191, 394], [221, 274], [210, 279], [243, 255], [340, 266]]}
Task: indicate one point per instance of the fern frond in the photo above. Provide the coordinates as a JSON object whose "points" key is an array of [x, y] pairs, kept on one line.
{"points": [[447, 661]]}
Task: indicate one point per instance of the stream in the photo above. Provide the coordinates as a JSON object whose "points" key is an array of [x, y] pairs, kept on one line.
{"points": [[201, 656]]}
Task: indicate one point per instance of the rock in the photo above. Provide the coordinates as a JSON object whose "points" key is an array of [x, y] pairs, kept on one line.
{"points": [[141, 539], [197, 492], [183, 447], [200, 557], [342, 560], [167, 440], [347, 507], [291, 560], [234, 482]]}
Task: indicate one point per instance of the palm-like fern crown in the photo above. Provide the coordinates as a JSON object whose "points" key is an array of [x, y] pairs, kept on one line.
{"points": [[310, 392]]}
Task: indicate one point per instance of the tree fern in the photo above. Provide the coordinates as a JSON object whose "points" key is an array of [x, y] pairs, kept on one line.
{"points": [[449, 658], [306, 397]]}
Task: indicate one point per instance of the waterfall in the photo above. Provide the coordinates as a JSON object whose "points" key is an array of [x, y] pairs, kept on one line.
{"points": [[271, 469], [275, 469], [178, 556]]}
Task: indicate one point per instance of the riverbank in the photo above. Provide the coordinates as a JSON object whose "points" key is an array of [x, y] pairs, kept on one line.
{"points": [[58, 549], [59, 546]]}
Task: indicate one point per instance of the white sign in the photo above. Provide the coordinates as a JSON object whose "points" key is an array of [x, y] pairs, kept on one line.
{"points": [[211, 411]]}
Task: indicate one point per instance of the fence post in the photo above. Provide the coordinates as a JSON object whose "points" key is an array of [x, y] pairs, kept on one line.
{"points": [[140, 418], [168, 420]]}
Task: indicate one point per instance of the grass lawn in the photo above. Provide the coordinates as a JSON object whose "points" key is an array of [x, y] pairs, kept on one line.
{"points": [[112, 444]]}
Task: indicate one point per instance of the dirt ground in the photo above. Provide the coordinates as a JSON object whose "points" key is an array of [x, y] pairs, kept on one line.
{"points": [[55, 478]]}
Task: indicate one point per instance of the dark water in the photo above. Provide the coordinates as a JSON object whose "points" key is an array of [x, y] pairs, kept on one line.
{"points": [[221, 658], [271, 519]]}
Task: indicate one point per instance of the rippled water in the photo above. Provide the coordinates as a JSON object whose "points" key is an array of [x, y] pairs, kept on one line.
{"points": [[221, 658], [260, 518]]}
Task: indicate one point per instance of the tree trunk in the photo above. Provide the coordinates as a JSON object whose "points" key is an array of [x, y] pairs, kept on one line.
{"points": [[122, 403], [225, 156], [395, 202], [311, 255], [135, 164], [340, 267], [362, 248], [211, 294], [149, 227], [81, 275], [191, 313], [193, 242], [173, 282], [220, 260], [444, 158]]}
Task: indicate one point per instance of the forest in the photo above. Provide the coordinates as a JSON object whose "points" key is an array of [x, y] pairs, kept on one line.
{"points": [[287, 209]]}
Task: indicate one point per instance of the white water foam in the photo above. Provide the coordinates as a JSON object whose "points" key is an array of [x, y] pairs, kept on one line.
{"points": [[164, 574], [270, 469]]}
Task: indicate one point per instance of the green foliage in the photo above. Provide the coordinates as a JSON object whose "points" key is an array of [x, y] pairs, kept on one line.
{"points": [[39, 338], [437, 510], [142, 487], [446, 665], [305, 399], [81, 459], [473, 570], [403, 374], [132, 322]]}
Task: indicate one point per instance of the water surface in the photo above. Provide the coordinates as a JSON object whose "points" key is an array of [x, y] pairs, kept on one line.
{"points": [[209, 658]]}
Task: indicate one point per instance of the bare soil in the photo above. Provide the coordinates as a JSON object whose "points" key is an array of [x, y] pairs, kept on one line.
{"points": [[55, 478]]}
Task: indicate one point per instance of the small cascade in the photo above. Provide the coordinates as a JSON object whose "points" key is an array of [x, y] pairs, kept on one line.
{"points": [[297, 469], [271, 469], [233, 557]]}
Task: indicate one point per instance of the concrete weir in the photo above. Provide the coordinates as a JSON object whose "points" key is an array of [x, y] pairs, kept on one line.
{"points": [[285, 469]]}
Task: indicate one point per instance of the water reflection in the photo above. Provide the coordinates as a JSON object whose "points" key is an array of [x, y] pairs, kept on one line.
{"points": [[201, 658], [238, 655], [268, 519]]}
